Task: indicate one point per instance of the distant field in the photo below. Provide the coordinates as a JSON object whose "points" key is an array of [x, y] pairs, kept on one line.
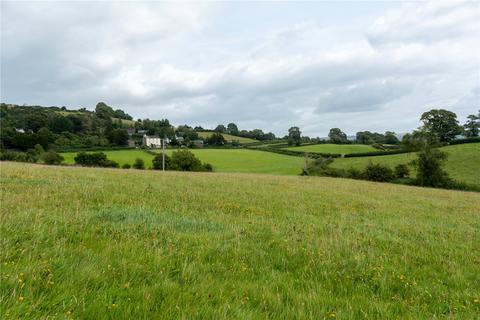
{"points": [[228, 137], [334, 148], [222, 160], [120, 156], [463, 162], [93, 243]]}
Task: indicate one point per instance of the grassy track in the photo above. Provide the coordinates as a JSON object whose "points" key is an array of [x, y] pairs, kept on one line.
{"points": [[89, 243], [334, 148], [228, 137], [223, 160], [463, 162]]}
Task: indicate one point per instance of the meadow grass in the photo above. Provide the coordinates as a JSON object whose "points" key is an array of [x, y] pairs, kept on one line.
{"points": [[92, 243], [334, 148], [228, 137], [463, 163], [223, 160], [120, 156]]}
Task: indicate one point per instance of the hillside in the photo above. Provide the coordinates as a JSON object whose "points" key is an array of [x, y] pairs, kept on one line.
{"points": [[106, 243], [228, 137], [334, 148], [463, 162]]}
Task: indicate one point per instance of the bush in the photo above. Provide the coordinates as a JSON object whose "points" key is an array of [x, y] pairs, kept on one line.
{"points": [[126, 166], [52, 157], [402, 171], [208, 167], [9, 156], [110, 164], [157, 162], [139, 164], [378, 172], [184, 160], [429, 168], [354, 173], [95, 159]]}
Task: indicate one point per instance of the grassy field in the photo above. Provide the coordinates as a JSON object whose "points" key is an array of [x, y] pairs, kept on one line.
{"points": [[228, 137], [334, 148], [463, 162], [120, 156], [222, 160], [91, 243]]}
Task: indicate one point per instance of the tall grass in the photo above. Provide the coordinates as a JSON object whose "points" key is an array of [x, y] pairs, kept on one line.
{"points": [[88, 243]]}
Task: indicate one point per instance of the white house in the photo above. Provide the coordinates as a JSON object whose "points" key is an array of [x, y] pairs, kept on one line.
{"points": [[152, 141]]}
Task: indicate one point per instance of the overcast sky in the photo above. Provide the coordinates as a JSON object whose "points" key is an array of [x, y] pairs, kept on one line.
{"points": [[355, 65]]}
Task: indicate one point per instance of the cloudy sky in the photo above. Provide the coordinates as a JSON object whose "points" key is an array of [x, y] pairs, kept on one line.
{"points": [[355, 65]]}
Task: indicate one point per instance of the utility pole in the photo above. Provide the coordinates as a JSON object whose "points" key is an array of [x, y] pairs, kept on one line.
{"points": [[163, 154]]}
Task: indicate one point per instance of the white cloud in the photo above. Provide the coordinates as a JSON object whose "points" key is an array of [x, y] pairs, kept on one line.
{"points": [[178, 61]]}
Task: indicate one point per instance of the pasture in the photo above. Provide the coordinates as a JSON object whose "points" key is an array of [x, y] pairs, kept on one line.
{"points": [[334, 148], [463, 163], [228, 137], [93, 243], [222, 160]]}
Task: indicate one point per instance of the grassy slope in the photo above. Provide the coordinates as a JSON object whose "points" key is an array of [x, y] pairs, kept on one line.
{"points": [[223, 160], [228, 137], [463, 162], [108, 243], [334, 148]]}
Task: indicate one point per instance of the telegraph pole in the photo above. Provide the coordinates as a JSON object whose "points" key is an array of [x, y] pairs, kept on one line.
{"points": [[163, 154]]}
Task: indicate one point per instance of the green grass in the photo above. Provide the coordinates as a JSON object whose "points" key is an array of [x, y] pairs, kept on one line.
{"points": [[120, 156], [463, 163], [334, 148], [91, 243], [228, 137], [222, 160], [249, 161]]}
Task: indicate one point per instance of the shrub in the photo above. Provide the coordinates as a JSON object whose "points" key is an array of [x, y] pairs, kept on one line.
{"points": [[139, 164], [9, 156], [157, 162], [402, 171], [208, 167], [429, 168], [184, 160], [95, 159], [51, 157], [126, 166], [354, 173], [110, 164], [378, 172]]}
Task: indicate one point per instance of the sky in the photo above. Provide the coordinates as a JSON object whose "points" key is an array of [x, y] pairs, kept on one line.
{"points": [[355, 65]]}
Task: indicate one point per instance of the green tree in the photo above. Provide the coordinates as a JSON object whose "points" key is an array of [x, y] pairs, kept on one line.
{"points": [[294, 136], [429, 165], [221, 128], [119, 137], [184, 160], [59, 124], [232, 129], [103, 111], [216, 139], [391, 138], [471, 128], [44, 137], [337, 136], [441, 123]]}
